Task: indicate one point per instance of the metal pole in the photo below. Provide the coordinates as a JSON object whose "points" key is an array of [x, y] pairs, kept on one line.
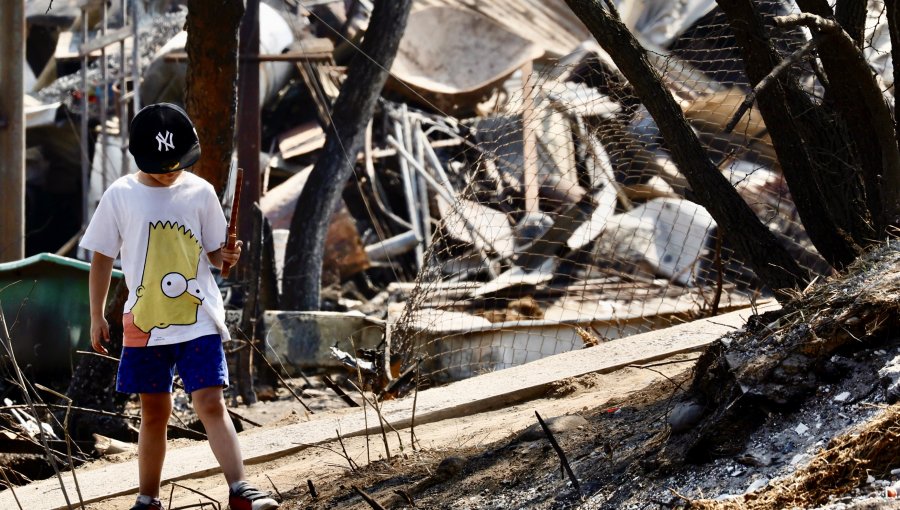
{"points": [[85, 115], [409, 193], [124, 96], [12, 130], [415, 216], [422, 188], [136, 55], [104, 99], [248, 116], [250, 221]]}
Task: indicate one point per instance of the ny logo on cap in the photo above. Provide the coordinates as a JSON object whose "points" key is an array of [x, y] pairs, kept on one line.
{"points": [[164, 141]]}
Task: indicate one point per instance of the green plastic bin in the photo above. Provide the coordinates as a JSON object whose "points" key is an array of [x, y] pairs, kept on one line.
{"points": [[44, 299]]}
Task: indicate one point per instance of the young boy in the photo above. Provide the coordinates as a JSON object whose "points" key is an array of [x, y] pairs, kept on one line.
{"points": [[169, 227]]}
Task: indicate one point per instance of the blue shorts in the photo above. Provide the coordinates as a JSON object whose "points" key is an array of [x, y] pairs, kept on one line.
{"points": [[200, 363]]}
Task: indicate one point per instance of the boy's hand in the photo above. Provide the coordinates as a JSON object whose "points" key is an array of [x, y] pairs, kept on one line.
{"points": [[99, 335], [101, 271], [232, 255]]}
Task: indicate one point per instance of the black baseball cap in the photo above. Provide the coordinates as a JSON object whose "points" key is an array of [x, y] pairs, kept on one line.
{"points": [[163, 139]]}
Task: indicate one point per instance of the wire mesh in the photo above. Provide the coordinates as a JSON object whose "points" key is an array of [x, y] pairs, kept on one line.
{"points": [[544, 208], [553, 217]]}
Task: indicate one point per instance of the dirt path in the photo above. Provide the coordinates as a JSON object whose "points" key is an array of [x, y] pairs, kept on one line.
{"points": [[324, 464]]}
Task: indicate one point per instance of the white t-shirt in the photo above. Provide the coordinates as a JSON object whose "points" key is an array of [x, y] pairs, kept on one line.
{"points": [[164, 234]]}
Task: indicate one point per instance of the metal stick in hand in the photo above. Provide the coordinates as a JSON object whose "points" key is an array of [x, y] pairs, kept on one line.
{"points": [[231, 240]]}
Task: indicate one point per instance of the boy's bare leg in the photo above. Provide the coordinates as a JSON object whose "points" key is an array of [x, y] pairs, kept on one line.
{"points": [[155, 411], [209, 404]]}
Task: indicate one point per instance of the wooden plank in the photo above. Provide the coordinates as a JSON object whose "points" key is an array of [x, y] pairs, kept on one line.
{"points": [[477, 394], [310, 49], [110, 38], [301, 140], [66, 48], [63, 46], [529, 142]]}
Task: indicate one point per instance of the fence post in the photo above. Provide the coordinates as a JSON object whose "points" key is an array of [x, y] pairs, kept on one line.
{"points": [[12, 130]]}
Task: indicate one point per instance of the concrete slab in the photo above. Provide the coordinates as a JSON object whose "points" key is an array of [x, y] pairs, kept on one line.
{"points": [[470, 396]]}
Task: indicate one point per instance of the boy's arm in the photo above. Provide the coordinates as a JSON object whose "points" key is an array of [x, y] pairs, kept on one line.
{"points": [[98, 287], [225, 254]]}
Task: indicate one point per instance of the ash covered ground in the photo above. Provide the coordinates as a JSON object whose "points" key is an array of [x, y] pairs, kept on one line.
{"points": [[823, 438]]}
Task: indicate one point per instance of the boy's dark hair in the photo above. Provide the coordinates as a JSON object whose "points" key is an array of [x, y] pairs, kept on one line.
{"points": [[163, 139]]}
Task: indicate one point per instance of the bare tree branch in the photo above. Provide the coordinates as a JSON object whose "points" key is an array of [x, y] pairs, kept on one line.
{"points": [[770, 78], [366, 75]]}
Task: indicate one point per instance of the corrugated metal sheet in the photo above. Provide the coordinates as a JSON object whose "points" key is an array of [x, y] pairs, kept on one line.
{"points": [[549, 23]]}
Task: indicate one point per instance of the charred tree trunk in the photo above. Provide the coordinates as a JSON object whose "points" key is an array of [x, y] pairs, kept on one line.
{"points": [[211, 100], [853, 93], [851, 14], [771, 262], [893, 19], [93, 384], [803, 138], [366, 76]]}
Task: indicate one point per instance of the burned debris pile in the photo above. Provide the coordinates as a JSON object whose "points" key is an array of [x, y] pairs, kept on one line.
{"points": [[507, 166], [785, 358], [781, 357], [798, 409]]}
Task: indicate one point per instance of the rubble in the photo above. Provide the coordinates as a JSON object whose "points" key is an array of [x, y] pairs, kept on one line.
{"points": [[513, 201], [453, 58], [547, 168], [311, 340]]}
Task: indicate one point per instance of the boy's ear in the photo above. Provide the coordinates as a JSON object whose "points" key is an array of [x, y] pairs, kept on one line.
{"points": [[139, 291]]}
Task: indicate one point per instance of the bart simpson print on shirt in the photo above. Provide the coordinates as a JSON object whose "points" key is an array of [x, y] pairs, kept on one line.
{"points": [[169, 293]]}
